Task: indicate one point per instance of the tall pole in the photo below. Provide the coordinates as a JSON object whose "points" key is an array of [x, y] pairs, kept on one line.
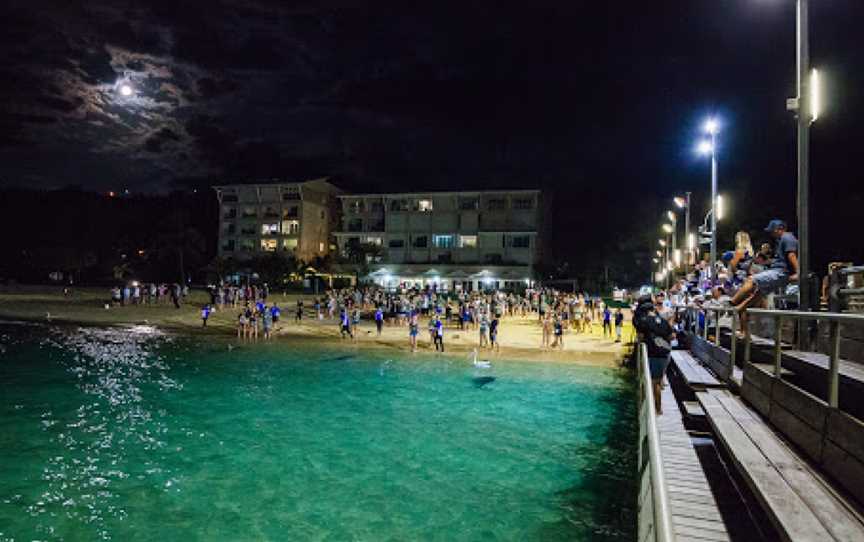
{"points": [[668, 271], [804, 111], [713, 203], [687, 233]]}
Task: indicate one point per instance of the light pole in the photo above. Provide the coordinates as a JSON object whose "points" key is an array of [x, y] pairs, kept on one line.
{"points": [[803, 102], [673, 218], [705, 147], [684, 203]]}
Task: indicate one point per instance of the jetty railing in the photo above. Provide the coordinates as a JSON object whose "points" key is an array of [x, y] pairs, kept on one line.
{"points": [[834, 320], [653, 495]]}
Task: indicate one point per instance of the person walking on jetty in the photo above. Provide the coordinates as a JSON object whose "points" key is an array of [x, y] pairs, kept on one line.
{"points": [[657, 335]]}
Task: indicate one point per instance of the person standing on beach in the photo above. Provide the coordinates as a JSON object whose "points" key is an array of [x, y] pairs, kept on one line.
{"points": [[413, 331], [345, 324], [493, 335], [275, 312], [619, 324], [298, 316], [379, 319], [205, 314], [607, 322], [439, 334], [484, 327], [267, 322]]}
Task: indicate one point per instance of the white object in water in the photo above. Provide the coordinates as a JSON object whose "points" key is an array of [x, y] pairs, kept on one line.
{"points": [[482, 363]]}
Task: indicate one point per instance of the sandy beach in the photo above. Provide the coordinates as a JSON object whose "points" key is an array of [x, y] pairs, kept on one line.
{"points": [[519, 337]]}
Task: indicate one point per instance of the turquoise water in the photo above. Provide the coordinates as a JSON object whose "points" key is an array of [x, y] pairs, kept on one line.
{"points": [[128, 435]]}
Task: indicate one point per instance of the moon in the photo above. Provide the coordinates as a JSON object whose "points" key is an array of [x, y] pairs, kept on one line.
{"points": [[125, 90]]}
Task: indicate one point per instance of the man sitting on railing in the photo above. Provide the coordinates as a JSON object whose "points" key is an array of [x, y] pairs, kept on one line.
{"points": [[782, 270]]}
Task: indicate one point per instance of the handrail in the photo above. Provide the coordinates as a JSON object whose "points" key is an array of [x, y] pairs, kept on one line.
{"points": [[834, 319], [660, 499]]}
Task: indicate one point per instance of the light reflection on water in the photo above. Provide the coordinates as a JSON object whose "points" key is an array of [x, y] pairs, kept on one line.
{"points": [[130, 434], [110, 367]]}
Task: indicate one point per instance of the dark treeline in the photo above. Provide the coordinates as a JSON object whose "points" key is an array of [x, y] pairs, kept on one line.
{"points": [[95, 237]]}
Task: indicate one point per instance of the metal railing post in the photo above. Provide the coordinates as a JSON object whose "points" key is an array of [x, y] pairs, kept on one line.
{"points": [[778, 355], [734, 347], [834, 372], [747, 341], [716, 327], [705, 326]]}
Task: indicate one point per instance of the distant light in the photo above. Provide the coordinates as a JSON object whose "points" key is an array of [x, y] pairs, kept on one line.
{"points": [[705, 147], [662, 242], [659, 254], [126, 89], [677, 256], [655, 260], [815, 95], [711, 126], [671, 216], [669, 266], [111, 194], [141, 252], [668, 228], [680, 202], [691, 241], [719, 207]]}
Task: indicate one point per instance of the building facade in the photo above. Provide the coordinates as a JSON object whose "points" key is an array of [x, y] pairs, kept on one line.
{"points": [[296, 218], [452, 240]]}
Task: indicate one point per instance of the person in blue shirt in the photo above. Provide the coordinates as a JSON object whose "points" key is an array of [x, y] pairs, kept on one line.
{"points": [[345, 324], [205, 314], [439, 334], [275, 312], [607, 322], [379, 319]]}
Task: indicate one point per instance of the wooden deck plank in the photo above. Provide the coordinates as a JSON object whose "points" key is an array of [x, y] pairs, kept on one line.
{"points": [[693, 506], [791, 516], [831, 513]]}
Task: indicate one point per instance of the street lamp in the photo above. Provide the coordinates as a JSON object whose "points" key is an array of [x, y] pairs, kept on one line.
{"points": [[668, 228], [662, 242], [684, 203], [706, 147]]}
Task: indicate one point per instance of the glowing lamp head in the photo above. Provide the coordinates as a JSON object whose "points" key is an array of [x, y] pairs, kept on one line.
{"points": [[671, 216], [667, 228], [662, 242], [680, 202], [711, 126], [658, 253], [705, 147], [655, 260]]}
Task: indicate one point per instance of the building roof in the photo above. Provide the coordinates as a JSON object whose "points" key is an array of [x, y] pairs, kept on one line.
{"points": [[440, 193], [272, 182]]}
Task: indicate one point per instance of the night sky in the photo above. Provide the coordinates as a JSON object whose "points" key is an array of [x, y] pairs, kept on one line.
{"points": [[598, 103]]}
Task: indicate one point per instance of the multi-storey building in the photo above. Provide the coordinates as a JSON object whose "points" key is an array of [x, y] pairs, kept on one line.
{"points": [[258, 218], [454, 240]]}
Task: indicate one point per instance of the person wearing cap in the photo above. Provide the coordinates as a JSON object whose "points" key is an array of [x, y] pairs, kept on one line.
{"points": [[782, 269]]}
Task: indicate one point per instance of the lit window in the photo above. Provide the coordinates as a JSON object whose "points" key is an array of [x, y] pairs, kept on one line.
{"points": [[468, 241], [442, 241], [289, 244], [372, 240], [290, 227], [268, 245], [424, 205], [269, 229], [320, 247]]}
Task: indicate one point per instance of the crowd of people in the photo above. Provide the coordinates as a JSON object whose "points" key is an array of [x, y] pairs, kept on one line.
{"points": [[740, 279], [152, 293], [556, 313]]}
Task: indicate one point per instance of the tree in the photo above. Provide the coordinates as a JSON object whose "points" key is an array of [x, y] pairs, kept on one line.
{"points": [[362, 254], [274, 268]]}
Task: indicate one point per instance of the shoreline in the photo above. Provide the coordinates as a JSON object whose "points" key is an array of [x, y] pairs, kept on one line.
{"points": [[519, 335]]}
